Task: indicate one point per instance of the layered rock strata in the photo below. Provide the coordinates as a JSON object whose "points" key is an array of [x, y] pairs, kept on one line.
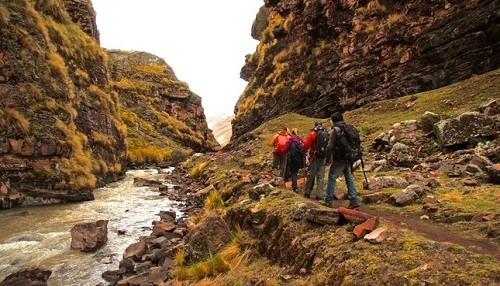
{"points": [[315, 57]]}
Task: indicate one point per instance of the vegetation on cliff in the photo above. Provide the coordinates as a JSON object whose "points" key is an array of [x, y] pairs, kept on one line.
{"points": [[165, 119], [59, 127], [315, 57]]}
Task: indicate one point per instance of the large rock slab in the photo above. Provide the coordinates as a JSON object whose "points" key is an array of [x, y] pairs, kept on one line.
{"points": [[89, 236], [463, 128]]}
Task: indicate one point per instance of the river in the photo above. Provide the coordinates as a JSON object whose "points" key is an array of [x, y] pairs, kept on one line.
{"points": [[40, 236]]}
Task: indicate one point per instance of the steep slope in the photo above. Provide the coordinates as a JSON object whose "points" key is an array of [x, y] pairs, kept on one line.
{"points": [[165, 119], [60, 133], [315, 57]]}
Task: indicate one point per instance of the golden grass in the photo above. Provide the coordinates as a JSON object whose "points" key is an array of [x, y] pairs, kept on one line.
{"points": [[198, 169], [148, 154], [4, 16], [229, 258], [102, 138], [53, 8], [214, 201], [22, 123]]}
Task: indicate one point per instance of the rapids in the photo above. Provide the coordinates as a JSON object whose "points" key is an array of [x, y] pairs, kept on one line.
{"points": [[40, 236]]}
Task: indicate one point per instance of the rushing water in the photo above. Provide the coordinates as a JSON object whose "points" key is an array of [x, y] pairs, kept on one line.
{"points": [[40, 236]]}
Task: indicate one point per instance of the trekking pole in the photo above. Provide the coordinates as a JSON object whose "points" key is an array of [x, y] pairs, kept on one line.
{"points": [[366, 186]]}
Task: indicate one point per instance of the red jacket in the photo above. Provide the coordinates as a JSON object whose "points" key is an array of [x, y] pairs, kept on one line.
{"points": [[310, 142]]}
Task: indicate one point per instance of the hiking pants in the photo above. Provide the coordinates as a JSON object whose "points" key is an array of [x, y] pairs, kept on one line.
{"points": [[279, 164], [336, 168], [316, 171]]}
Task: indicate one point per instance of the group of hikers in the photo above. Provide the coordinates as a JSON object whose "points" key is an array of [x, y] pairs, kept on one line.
{"points": [[339, 148]]}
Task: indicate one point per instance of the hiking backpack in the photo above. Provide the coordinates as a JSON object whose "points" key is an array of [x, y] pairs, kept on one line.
{"points": [[280, 144], [322, 138], [296, 154], [348, 145]]}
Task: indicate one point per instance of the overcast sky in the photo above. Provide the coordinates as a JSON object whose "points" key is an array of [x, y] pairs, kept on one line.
{"points": [[205, 42]]}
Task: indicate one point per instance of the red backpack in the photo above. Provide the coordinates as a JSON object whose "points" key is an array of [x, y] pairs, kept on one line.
{"points": [[280, 145]]}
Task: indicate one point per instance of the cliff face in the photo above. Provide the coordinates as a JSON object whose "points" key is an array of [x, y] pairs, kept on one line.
{"points": [[315, 57], [82, 13], [163, 116], [60, 133]]}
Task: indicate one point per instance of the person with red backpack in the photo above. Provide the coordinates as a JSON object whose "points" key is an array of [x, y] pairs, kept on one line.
{"points": [[316, 142], [278, 142]]}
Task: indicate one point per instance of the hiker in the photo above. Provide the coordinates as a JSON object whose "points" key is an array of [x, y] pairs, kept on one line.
{"points": [[339, 163], [318, 137], [295, 158], [278, 142]]}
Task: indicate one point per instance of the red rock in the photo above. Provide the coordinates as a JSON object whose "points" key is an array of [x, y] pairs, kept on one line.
{"points": [[366, 227], [352, 216]]}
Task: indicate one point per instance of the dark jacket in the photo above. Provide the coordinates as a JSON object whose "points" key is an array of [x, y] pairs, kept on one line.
{"points": [[331, 150]]}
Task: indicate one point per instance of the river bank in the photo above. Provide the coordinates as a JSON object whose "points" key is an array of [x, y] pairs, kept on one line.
{"points": [[40, 236]]}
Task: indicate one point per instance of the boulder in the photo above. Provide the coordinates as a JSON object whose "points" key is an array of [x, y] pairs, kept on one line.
{"points": [[207, 237], [428, 120], [27, 277], [89, 236], [463, 128]]}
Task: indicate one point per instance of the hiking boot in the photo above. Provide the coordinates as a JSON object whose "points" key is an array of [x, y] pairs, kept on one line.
{"points": [[306, 196], [353, 205], [295, 191]]}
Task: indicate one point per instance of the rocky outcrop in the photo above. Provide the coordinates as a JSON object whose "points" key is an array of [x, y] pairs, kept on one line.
{"points": [[82, 13], [60, 133], [28, 277], [316, 57], [89, 236], [163, 116]]}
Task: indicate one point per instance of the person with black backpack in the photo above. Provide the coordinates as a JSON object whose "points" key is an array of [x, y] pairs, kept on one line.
{"points": [[344, 148], [295, 158], [316, 142]]}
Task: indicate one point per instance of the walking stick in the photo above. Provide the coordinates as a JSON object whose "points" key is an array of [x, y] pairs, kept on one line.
{"points": [[366, 186]]}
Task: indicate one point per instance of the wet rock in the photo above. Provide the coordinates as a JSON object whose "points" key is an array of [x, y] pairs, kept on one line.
{"points": [[162, 227], [135, 251], [28, 277], [89, 236]]}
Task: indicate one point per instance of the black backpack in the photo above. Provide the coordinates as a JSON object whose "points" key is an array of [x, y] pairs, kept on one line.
{"points": [[296, 154], [322, 138], [348, 145]]}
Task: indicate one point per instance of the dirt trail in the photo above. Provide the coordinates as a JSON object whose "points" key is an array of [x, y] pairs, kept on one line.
{"points": [[432, 230]]}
